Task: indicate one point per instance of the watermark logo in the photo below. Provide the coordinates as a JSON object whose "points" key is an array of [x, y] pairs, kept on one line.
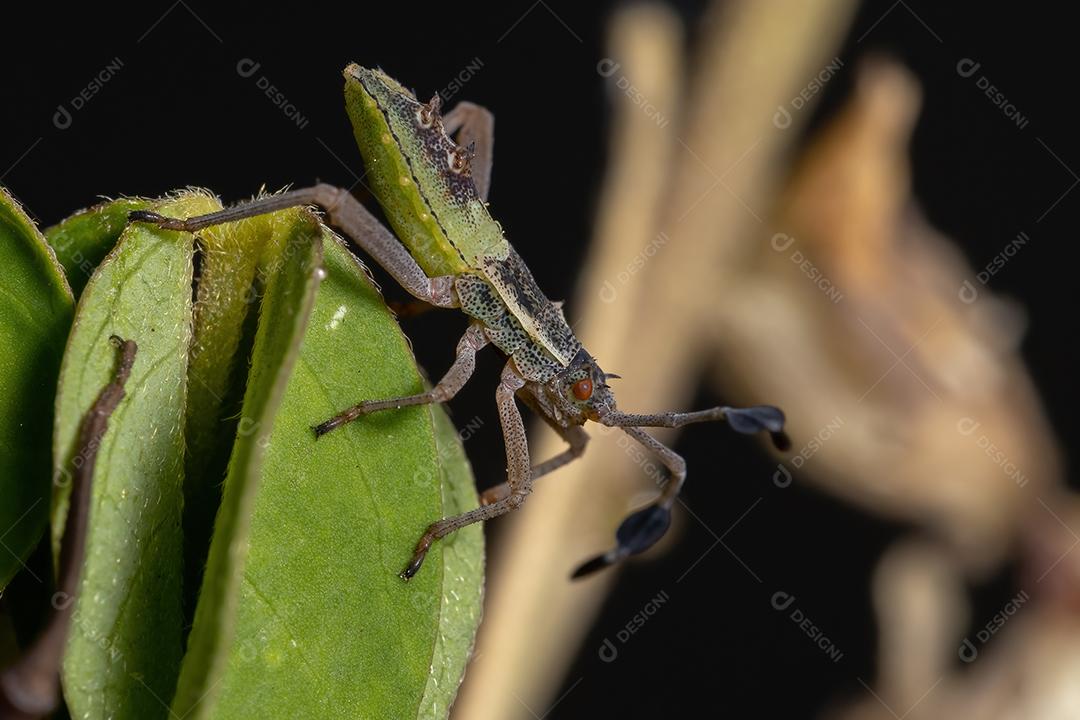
{"points": [[968, 426], [609, 68], [967, 68], [63, 117], [782, 601], [247, 68], [782, 117], [609, 650], [609, 291], [969, 650], [968, 292], [459, 81], [782, 477], [247, 427], [87, 630], [425, 476], [781, 242], [642, 458]]}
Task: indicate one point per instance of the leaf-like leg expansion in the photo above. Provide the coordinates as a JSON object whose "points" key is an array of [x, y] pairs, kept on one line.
{"points": [[518, 475], [643, 528], [455, 378], [477, 128], [344, 212], [744, 420]]}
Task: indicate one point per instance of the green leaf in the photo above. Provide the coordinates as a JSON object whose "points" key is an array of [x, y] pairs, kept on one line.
{"points": [[226, 304], [461, 602], [388, 477], [83, 240], [323, 625], [125, 641], [229, 257], [36, 316], [293, 279]]}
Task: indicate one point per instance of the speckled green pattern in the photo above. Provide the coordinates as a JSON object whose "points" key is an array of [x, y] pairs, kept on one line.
{"points": [[391, 179], [479, 300], [437, 212]]}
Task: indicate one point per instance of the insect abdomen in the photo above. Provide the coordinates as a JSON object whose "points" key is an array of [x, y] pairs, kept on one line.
{"points": [[394, 184]]}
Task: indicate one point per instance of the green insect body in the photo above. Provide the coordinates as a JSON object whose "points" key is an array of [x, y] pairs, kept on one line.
{"points": [[448, 251], [422, 181], [392, 179]]}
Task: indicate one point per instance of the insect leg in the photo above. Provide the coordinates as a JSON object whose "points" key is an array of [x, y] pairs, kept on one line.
{"points": [[343, 211], [455, 378], [643, 528], [518, 475], [574, 435], [577, 439], [477, 125]]}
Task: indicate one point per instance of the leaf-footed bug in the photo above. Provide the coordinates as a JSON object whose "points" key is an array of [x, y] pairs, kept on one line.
{"points": [[447, 250]]}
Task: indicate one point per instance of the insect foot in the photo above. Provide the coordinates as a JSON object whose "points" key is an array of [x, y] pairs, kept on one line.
{"points": [[419, 553], [161, 221], [637, 533], [338, 420]]}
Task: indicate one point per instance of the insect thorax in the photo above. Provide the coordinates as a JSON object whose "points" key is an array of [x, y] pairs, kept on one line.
{"points": [[481, 301]]}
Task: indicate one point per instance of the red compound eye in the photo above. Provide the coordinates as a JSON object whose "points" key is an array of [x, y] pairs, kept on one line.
{"points": [[582, 389]]}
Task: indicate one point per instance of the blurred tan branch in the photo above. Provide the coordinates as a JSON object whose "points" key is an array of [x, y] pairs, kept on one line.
{"points": [[919, 377], [691, 180], [808, 278]]}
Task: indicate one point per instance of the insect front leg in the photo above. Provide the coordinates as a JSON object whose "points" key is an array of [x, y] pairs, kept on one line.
{"points": [[576, 438], [344, 212], [455, 378], [518, 477], [475, 125], [574, 435]]}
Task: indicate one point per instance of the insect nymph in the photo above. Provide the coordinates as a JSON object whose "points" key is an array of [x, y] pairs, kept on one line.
{"points": [[447, 250]]}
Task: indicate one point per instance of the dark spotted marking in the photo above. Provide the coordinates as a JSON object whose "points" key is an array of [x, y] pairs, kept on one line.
{"points": [[433, 139], [509, 275], [514, 277], [480, 300]]}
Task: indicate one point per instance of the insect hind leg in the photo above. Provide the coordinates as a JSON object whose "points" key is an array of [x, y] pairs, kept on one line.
{"points": [[475, 125], [344, 212]]}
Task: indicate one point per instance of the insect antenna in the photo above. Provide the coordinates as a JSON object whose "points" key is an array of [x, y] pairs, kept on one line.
{"points": [[643, 528], [748, 421], [636, 534]]}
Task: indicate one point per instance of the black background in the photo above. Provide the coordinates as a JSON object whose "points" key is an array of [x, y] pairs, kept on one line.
{"points": [[178, 113]]}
